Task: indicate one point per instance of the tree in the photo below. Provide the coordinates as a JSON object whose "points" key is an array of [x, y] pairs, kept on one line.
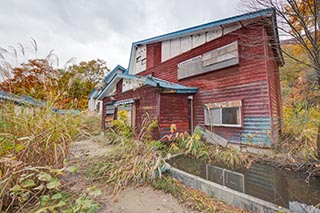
{"points": [[36, 78], [92, 71], [66, 88], [79, 80]]}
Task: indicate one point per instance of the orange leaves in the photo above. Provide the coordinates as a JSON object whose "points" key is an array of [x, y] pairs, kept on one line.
{"points": [[33, 78]]}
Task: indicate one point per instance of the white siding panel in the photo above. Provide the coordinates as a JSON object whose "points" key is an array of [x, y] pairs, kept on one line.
{"points": [[214, 34], [126, 85], [165, 50], [185, 44], [143, 50], [175, 47], [198, 39], [231, 29], [140, 59]]}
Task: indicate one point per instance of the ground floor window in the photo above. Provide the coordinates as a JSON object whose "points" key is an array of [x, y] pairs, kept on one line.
{"points": [[223, 113], [130, 107]]}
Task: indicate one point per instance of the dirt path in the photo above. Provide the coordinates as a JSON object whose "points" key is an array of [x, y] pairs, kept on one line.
{"points": [[132, 200]]}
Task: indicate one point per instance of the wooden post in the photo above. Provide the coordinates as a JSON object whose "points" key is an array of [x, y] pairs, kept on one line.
{"points": [[103, 116], [318, 141]]}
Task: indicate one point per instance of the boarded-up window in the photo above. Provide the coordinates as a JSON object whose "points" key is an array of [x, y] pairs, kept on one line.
{"points": [[109, 115], [213, 60], [225, 53], [190, 67], [223, 114]]}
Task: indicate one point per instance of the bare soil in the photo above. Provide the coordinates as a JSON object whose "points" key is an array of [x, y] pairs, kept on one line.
{"points": [[131, 200]]}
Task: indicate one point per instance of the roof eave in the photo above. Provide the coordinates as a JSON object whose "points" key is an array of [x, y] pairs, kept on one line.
{"points": [[230, 20], [276, 38]]}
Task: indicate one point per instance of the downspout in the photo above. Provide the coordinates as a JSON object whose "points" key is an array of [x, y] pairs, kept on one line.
{"points": [[266, 56], [158, 112], [103, 117]]}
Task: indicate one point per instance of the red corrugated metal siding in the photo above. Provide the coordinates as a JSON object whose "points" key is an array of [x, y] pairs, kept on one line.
{"points": [[274, 94], [147, 99], [153, 54], [173, 110], [248, 81]]}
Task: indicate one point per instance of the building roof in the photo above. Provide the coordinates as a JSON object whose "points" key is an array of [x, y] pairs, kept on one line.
{"points": [[95, 92], [113, 72], [269, 12], [20, 100], [149, 81], [252, 15]]}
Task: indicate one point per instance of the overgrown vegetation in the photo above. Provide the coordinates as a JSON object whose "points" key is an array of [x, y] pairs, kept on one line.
{"points": [[194, 146], [34, 143], [136, 162], [131, 161]]}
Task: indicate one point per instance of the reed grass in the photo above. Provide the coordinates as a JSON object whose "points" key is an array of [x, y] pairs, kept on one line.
{"points": [[130, 163], [32, 140]]}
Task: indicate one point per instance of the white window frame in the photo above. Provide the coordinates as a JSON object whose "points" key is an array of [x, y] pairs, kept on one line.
{"points": [[222, 105]]}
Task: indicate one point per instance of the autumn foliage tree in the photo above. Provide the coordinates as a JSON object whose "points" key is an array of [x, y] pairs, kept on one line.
{"points": [[36, 78], [65, 88], [79, 80]]}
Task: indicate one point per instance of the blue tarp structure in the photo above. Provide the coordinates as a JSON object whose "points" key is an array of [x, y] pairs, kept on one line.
{"points": [[21, 100], [29, 101]]}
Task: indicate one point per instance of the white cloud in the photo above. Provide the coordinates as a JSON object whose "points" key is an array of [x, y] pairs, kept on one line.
{"points": [[101, 29]]}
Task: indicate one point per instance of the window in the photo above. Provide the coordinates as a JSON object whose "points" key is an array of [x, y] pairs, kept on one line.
{"points": [[216, 59], [109, 115], [223, 114], [129, 106], [226, 53]]}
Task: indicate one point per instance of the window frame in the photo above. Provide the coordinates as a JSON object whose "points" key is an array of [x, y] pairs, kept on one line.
{"points": [[222, 105]]}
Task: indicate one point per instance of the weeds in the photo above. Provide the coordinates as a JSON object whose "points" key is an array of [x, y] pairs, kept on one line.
{"points": [[34, 143], [131, 162], [122, 125], [231, 157], [300, 132]]}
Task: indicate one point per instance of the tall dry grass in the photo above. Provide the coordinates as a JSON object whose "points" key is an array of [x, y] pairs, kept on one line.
{"points": [[32, 141]]}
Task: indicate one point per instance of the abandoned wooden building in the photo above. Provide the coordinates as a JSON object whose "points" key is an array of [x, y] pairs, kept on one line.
{"points": [[222, 75]]}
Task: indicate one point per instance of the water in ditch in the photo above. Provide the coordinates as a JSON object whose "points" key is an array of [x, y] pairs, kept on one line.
{"points": [[281, 187]]}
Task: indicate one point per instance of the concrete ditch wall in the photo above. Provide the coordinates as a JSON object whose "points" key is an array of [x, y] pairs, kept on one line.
{"points": [[225, 194]]}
